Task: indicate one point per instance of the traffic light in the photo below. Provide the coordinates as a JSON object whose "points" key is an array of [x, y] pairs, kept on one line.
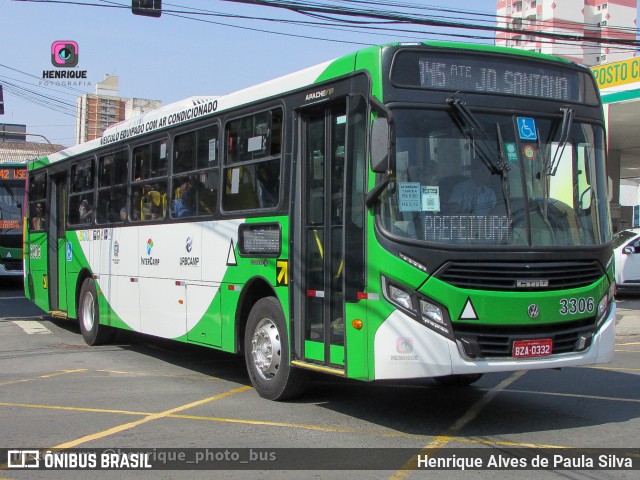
{"points": [[1, 102], [148, 8]]}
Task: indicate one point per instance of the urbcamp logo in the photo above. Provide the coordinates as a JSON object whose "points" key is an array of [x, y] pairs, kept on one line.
{"points": [[64, 53], [149, 260], [186, 261]]}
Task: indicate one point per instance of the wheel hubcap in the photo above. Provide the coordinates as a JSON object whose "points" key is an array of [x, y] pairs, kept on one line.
{"points": [[87, 312], [266, 348]]}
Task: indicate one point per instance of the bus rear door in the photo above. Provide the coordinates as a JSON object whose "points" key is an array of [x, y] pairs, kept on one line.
{"points": [[57, 243]]}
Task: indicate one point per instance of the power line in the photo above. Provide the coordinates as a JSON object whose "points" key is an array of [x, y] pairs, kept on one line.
{"points": [[346, 14]]}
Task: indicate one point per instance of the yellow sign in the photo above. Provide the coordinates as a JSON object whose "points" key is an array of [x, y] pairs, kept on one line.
{"points": [[617, 73], [282, 272], [44, 281]]}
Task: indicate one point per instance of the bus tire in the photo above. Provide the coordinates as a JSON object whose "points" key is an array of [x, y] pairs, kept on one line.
{"points": [[266, 351], [89, 316], [463, 380]]}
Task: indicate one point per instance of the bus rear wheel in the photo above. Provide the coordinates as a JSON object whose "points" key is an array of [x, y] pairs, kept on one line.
{"points": [[89, 315], [266, 350], [463, 380]]}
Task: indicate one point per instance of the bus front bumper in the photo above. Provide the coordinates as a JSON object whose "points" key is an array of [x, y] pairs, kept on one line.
{"points": [[5, 272], [406, 349]]}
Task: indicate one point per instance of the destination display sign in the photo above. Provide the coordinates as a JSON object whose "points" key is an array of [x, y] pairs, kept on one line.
{"points": [[13, 174], [488, 74]]}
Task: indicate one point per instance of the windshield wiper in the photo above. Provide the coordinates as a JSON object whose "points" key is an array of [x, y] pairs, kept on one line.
{"points": [[551, 167], [504, 167], [468, 125]]}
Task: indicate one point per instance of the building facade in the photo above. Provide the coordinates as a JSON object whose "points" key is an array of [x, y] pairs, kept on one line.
{"points": [[105, 107], [598, 19], [14, 146]]}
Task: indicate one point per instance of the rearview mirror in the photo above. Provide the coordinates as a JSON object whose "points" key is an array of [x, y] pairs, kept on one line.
{"points": [[380, 144]]}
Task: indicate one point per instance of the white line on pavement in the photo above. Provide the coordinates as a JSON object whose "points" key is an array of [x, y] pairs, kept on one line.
{"points": [[32, 327]]}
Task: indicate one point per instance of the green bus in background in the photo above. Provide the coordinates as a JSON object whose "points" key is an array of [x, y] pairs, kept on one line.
{"points": [[413, 210], [12, 187]]}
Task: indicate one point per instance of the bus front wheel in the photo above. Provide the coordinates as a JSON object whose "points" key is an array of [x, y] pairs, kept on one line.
{"points": [[266, 350], [89, 316]]}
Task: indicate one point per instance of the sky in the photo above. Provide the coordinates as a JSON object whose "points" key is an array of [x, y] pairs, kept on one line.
{"points": [[171, 58]]}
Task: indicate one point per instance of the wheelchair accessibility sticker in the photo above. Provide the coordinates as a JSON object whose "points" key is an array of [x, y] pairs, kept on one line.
{"points": [[527, 128]]}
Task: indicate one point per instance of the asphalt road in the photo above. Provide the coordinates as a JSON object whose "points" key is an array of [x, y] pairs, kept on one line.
{"points": [[58, 393]]}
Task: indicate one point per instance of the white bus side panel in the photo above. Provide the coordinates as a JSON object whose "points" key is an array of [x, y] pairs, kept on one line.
{"points": [[161, 279]]}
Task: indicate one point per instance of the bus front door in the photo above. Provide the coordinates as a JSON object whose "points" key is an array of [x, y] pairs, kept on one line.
{"points": [[321, 334]]}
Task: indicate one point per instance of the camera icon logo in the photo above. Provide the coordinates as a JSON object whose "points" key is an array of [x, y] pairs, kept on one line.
{"points": [[64, 53], [404, 345]]}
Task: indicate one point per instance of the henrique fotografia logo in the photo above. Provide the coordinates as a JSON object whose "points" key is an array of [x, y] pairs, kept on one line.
{"points": [[64, 53], [64, 56]]}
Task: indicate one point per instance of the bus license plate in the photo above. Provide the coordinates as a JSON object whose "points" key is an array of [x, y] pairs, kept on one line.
{"points": [[532, 348]]}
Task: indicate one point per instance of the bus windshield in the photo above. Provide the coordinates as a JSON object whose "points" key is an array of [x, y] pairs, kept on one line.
{"points": [[11, 197], [478, 179]]}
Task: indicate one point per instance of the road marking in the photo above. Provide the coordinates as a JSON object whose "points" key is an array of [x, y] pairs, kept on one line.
{"points": [[575, 395], [149, 418], [32, 317], [630, 343], [49, 375], [617, 369], [32, 327], [72, 409], [195, 377], [12, 298], [303, 426], [321, 428], [449, 435]]}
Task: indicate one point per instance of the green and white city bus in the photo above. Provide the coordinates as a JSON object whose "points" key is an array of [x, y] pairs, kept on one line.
{"points": [[12, 187], [411, 210]]}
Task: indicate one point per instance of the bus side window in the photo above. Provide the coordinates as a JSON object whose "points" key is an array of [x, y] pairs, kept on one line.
{"points": [[112, 187], [251, 175], [81, 195], [149, 187], [194, 184], [38, 201]]}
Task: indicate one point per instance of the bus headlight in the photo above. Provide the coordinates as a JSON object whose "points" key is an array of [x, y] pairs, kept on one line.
{"points": [[433, 316], [604, 304], [400, 297], [422, 309], [431, 311]]}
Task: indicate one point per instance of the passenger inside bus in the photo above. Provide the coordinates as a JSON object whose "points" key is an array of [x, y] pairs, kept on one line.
{"points": [[152, 204], [183, 202], [85, 211], [37, 221], [268, 184], [473, 196], [239, 189]]}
